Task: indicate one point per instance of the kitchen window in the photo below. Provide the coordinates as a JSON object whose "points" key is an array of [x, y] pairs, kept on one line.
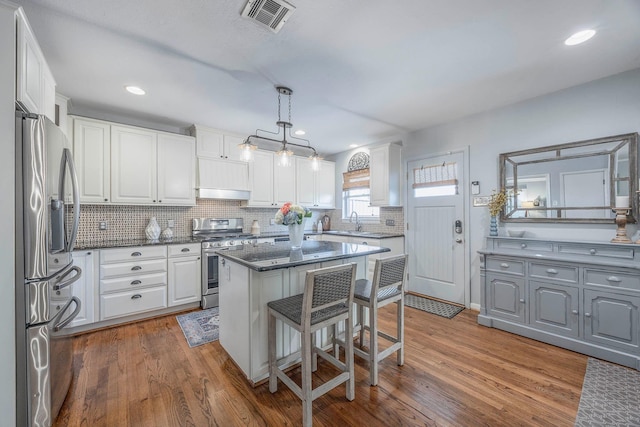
{"points": [[356, 196]]}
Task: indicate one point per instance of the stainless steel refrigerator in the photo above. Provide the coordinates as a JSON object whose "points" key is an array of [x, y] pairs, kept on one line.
{"points": [[48, 212]]}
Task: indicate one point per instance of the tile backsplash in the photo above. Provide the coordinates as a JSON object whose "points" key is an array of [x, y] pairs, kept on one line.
{"points": [[125, 222]]}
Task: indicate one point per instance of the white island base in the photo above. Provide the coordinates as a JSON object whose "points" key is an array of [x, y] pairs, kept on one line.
{"points": [[244, 294]]}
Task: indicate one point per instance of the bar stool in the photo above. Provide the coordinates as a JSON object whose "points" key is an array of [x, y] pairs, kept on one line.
{"points": [[327, 300], [386, 287]]}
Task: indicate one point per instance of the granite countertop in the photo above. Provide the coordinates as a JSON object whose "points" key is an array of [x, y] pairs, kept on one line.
{"points": [[365, 234], [124, 243], [273, 256]]}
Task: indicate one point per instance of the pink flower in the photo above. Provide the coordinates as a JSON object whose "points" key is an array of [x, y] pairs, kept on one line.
{"points": [[285, 208]]}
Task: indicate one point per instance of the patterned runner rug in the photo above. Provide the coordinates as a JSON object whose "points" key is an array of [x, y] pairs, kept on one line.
{"points": [[200, 327], [432, 306], [610, 396]]}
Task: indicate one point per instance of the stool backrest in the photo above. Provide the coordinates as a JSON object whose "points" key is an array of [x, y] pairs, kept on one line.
{"points": [[328, 287], [389, 272]]}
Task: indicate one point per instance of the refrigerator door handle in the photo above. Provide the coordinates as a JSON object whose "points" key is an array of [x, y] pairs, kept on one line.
{"points": [[65, 283], [65, 322], [67, 161]]}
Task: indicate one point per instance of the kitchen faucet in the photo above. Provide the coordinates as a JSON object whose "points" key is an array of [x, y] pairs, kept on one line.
{"points": [[358, 224]]}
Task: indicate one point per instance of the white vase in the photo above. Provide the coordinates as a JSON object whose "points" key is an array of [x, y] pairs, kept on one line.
{"points": [[296, 234], [167, 233], [153, 229]]}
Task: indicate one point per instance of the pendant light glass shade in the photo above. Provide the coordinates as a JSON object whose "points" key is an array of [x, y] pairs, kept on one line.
{"points": [[247, 148]]}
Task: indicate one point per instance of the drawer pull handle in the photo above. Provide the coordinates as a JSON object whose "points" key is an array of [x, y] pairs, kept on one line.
{"points": [[136, 296], [552, 271], [524, 245], [136, 282], [136, 268], [136, 254], [614, 279], [522, 300], [592, 251], [185, 250], [574, 311], [504, 265], [587, 315]]}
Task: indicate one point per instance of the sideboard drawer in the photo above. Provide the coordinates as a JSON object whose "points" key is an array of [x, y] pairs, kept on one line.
{"points": [[132, 302], [595, 250], [617, 279], [505, 265], [527, 245], [561, 273]]}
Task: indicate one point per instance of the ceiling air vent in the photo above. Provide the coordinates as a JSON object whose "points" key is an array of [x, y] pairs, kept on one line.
{"points": [[269, 13]]}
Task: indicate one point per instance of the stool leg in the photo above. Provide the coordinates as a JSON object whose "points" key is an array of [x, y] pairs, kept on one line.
{"points": [[361, 323], [348, 357], [400, 334], [307, 400], [314, 353], [373, 345], [334, 340], [273, 379]]}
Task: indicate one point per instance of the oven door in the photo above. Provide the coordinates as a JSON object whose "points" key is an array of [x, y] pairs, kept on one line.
{"points": [[209, 278]]}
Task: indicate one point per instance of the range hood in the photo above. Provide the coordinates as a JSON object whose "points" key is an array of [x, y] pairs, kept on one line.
{"points": [[216, 193]]}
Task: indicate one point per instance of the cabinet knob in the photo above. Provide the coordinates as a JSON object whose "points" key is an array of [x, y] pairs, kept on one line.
{"points": [[106, 200], [504, 265], [574, 311], [159, 201], [136, 268], [154, 201], [136, 282], [523, 246], [614, 279], [587, 315], [136, 254], [136, 296], [592, 251], [522, 300], [552, 271]]}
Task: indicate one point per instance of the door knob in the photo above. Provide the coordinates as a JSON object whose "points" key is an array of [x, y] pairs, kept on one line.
{"points": [[458, 240]]}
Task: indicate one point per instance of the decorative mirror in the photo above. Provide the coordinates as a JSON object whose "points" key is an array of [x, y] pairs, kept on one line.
{"points": [[576, 182]]}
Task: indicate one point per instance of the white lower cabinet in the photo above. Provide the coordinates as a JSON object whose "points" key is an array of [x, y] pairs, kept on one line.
{"points": [[396, 244], [185, 280], [132, 280]]}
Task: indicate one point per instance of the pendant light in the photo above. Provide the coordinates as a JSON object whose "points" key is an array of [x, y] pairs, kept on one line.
{"points": [[284, 153]]}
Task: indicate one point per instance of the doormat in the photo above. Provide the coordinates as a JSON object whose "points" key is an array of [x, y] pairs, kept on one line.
{"points": [[432, 306], [200, 327], [610, 396]]}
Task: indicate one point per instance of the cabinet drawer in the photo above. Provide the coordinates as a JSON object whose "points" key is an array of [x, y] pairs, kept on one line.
{"points": [[132, 282], [555, 272], [528, 245], [133, 268], [188, 249], [617, 279], [504, 265], [595, 250], [132, 302], [133, 254]]}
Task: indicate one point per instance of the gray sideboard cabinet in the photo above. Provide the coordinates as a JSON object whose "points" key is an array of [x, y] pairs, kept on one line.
{"points": [[583, 296]]}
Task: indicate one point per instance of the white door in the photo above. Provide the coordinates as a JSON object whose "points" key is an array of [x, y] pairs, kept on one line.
{"points": [[437, 251]]}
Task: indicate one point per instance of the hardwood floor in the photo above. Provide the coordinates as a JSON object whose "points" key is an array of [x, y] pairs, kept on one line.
{"points": [[456, 373]]}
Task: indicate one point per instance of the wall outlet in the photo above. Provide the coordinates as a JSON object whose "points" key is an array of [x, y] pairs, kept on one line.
{"points": [[390, 222], [272, 221], [103, 225]]}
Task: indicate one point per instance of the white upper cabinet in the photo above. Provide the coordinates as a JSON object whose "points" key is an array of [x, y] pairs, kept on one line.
{"points": [[176, 169], [315, 189], [133, 165], [35, 85], [216, 144], [130, 165], [261, 179], [385, 180], [92, 155]]}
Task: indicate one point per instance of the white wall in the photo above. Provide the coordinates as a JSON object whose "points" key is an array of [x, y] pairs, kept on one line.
{"points": [[7, 217], [608, 106]]}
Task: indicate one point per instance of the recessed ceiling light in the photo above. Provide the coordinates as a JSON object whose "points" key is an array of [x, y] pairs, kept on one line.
{"points": [[579, 37], [353, 145], [299, 132], [135, 90]]}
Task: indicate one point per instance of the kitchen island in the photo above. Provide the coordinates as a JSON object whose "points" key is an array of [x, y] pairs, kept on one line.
{"points": [[253, 275]]}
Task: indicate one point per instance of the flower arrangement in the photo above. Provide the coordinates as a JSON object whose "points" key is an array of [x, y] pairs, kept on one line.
{"points": [[290, 214], [497, 202]]}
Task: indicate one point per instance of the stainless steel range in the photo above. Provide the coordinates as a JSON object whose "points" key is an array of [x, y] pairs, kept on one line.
{"points": [[216, 233]]}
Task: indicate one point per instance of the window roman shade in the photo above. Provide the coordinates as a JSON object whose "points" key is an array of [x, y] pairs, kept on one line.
{"points": [[436, 175], [355, 179]]}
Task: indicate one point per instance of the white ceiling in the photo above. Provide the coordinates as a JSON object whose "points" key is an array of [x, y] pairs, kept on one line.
{"points": [[361, 71]]}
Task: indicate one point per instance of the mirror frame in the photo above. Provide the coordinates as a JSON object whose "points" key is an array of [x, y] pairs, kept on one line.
{"points": [[630, 138]]}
